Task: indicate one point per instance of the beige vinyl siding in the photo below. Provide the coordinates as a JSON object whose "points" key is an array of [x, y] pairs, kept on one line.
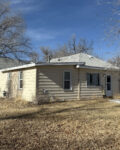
{"points": [[29, 85], [115, 84], [50, 78], [13, 86], [47, 83], [28, 92], [3, 83], [90, 91], [98, 91]]}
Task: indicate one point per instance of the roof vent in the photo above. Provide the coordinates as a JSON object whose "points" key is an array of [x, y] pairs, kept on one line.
{"points": [[91, 57]]}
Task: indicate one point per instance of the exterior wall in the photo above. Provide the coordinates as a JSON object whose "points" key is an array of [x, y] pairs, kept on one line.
{"points": [[3, 83], [28, 92], [99, 91], [90, 91], [49, 85], [50, 79], [29, 85], [115, 84]]}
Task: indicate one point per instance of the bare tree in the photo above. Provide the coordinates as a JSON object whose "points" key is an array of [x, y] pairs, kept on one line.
{"points": [[85, 46], [61, 51], [115, 61], [72, 44], [13, 42], [47, 52], [34, 57], [112, 31], [72, 47], [82, 46]]}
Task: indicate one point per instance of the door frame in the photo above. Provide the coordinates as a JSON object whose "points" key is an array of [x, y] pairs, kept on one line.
{"points": [[108, 92]]}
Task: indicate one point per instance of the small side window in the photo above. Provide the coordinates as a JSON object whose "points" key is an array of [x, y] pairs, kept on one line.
{"points": [[20, 80], [67, 80]]}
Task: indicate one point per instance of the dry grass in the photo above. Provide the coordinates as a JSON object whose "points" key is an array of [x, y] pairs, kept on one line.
{"points": [[78, 125]]}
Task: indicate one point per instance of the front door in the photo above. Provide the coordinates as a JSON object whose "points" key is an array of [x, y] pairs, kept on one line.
{"points": [[108, 86]]}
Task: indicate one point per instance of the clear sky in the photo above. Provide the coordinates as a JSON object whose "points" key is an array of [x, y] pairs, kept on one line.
{"points": [[53, 22]]}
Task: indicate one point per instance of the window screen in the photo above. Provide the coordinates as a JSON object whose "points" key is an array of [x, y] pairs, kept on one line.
{"points": [[93, 79], [20, 79], [67, 80]]}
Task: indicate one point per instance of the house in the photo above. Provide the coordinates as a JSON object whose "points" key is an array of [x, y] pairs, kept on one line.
{"points": [[6, 62], [74, 77]]}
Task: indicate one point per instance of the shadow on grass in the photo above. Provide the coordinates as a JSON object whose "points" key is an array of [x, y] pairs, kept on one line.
{"points": [[23, 115], [45, 113], [117, 106]]}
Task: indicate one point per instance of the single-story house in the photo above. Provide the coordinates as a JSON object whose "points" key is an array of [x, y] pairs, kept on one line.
{"points": [[6, 62], [74, 77]]}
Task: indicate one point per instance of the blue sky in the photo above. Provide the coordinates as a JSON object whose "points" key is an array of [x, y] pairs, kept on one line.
{"points": [[53, 22]]}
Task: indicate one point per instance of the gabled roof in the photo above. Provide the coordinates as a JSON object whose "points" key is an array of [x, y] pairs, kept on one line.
{"points": [[89, 60]]}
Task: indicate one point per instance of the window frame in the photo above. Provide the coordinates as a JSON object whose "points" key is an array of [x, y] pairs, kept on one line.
{"points": [[93, 85], [20, 79], [69, 80]]}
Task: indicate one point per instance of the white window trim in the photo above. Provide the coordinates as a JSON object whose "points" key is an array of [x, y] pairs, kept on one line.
{"points": [[20, 80], [70, 80]]}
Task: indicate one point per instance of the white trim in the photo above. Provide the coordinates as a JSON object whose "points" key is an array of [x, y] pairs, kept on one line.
{"points": [[20, 80], [70, 80], [18, 67], [77, 65]]}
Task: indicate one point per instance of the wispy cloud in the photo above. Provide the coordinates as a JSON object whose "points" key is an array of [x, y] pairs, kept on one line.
{"points": [[38, 35], [27, 6], [14, 2]]}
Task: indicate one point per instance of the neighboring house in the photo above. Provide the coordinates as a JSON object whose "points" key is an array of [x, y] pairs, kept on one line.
{"points": [[79, 76]]}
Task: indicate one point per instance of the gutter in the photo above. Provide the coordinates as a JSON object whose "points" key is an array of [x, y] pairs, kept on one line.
{"points": [[97, 68], [76, 64]]}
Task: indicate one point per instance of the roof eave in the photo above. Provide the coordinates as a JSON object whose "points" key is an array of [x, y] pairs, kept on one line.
{"points": [[78, 65]]}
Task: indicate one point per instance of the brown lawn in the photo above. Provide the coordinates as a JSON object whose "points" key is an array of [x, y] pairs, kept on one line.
{"points": [[76, 125]]}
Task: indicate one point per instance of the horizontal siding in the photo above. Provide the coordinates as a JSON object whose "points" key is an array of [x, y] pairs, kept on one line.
{"points": [[89, 91], [28, 92], [3, 83], [51, 79], [29, 84]]}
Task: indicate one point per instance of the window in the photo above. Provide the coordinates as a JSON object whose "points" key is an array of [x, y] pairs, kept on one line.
{"points": [[108, 82], [9, 76], [93, 79], [20, 80], [67, 80]]}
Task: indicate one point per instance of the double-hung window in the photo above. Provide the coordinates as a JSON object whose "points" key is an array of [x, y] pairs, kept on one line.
{"points": [[67, 80], [93, 79], [20, 80]]}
